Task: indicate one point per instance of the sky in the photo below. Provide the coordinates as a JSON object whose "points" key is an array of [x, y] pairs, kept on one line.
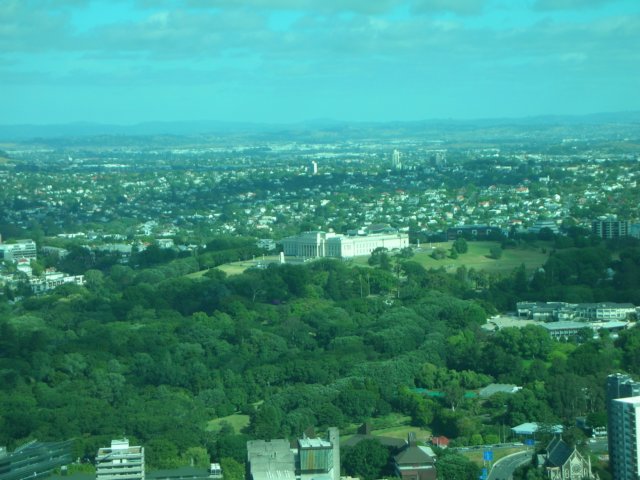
{"points": [[285, 61]]}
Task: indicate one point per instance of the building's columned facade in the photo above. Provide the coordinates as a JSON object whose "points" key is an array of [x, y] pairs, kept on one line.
{"points": [[320, 244]]}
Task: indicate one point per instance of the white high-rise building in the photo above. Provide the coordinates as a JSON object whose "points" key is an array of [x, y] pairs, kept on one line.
{"points": [[625, 443], [120, 461], [396, 163]]}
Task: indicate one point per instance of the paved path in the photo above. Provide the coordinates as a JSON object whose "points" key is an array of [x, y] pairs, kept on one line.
{"points": [[503, 468]]}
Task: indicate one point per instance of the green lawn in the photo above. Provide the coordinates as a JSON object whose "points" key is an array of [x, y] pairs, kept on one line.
{"points": [[392, 425], [237, 268], [476, 455], [237, 421], [478, 257]]}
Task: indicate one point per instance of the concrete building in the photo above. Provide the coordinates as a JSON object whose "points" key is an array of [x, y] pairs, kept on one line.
{"points": [[624, 454], [34, 460], [52, 279], [318, 244], [544, 224], [604, 312], [473, 232], [610, 227], [623, 400], [271, 460], [592, 312], [13, 252], [120, 461], [311, 459], [266, 244]]}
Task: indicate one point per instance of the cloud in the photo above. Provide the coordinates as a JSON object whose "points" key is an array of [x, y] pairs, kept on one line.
{"points": [[322, 6], [569, 4], [24, 27], [459, 7]]}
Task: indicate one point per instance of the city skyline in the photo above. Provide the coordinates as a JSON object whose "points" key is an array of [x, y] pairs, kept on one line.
{"points": [[279, 61]]}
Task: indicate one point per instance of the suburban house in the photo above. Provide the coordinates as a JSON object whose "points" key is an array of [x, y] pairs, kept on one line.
{"points": [[415, 462]]}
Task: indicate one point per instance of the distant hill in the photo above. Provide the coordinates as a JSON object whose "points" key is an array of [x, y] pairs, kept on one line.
{"points": [[328, 126]]}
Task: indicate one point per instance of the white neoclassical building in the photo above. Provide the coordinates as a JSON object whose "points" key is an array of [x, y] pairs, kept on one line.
{"points": [[318, 244]]}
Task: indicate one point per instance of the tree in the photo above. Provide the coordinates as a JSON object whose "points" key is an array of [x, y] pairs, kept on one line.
{"points": [[162, 453], [380, 257], [267, 421], [367, 460], [495, 252], [231, 469], [454, 466], [439, 253], [461, 246]]}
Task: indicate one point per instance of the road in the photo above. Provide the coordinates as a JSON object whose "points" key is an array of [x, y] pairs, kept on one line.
{"points": [[503, 468]]}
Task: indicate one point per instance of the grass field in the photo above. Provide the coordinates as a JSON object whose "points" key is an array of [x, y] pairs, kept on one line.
{"points": [[476, 455], [478, 257], [392, 425], [236, 268], [237, 421]]}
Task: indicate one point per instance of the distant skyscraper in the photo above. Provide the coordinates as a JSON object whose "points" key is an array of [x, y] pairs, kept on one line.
{"points": [[396, 164], [623, 407], [314, 167]]}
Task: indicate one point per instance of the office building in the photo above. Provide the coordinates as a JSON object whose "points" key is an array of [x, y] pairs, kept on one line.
{"points": [[120, 461], [623, 403], [396, 163]]}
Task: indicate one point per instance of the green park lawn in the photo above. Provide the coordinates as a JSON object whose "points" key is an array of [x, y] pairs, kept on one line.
{"points": [[237, 421], [392, 425], [476, 455], [478, 257]]}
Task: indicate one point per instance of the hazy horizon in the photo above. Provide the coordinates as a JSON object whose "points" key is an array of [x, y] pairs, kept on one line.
{"points": [[128, 62]]}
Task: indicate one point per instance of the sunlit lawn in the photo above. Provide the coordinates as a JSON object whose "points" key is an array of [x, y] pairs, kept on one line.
{"points": [[237, 421], [236, 268], [478, 257], [393, 425], [476, 456]]}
